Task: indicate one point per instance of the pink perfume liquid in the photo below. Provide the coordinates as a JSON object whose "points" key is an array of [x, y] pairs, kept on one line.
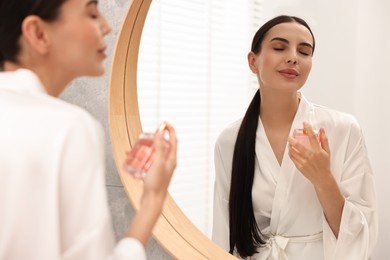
{"points": [[302, 137], [141, 156]]}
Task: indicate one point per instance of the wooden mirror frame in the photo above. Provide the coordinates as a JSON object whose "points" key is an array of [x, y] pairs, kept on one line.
{"points": [[174, 231]]}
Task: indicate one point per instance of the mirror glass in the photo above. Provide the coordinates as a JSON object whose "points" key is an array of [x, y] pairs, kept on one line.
{"points": [[192, 72]]}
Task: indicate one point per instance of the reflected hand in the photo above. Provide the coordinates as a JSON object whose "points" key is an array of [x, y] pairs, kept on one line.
{"points": [[313, 161]]}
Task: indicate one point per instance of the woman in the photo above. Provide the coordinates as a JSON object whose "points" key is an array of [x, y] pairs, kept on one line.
{"points": [[297, 201], [52, 195]]}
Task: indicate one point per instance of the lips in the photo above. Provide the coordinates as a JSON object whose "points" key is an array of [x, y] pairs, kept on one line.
{"points": [[103, 51], [289, 73]]}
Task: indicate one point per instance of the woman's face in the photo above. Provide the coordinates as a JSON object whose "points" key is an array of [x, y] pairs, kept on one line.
{"points": [[285, 59], [77, 44]]}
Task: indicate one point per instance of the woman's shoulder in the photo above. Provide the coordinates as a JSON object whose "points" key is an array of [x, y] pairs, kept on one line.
{"points": [[69, 114], [63, 117], [75, 125], [229, 134], [335, 118]]}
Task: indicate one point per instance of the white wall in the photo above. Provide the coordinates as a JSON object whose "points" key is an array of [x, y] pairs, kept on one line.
{"points": [[350, 73], [372, 96]]}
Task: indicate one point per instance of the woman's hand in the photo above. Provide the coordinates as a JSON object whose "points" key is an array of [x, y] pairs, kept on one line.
{"points": [[156, 183], [312, 161], [160, 172]]}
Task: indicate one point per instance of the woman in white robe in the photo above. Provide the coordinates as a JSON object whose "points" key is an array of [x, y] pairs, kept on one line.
{"points": [[307, 201], [53, 200]]}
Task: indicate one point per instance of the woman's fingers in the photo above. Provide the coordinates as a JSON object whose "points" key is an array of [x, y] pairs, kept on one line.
{"points": [[324, 141], [299, 148], [173, 142], [166, 149], [313, 138]]}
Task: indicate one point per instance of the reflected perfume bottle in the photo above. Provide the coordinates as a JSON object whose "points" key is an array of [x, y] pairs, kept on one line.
{"points": [[141, 155], [301, 134]]}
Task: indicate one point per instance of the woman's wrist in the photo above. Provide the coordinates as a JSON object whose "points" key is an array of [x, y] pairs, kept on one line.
{"points": [[152, 199], [327, 182]]}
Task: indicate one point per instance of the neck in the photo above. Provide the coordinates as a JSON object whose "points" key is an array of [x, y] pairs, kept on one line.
{"points": [[53, 81], [278, 109]]}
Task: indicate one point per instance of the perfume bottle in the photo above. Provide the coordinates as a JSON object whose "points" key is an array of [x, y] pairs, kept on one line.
{"points": [[141, 155], [301, 134]]}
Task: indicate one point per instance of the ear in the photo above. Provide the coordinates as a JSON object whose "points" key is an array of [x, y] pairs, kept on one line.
{"points": [[35, 34], [252, 62]]}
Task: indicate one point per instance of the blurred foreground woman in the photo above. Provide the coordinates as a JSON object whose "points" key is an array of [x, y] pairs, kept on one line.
{"points": [[53, 198]]}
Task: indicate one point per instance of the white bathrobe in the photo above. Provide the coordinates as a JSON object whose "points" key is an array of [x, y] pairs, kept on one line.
{"points": [[53, 202], [285, 204]]}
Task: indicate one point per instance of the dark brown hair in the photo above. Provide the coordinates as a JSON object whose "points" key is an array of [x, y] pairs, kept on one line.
{"points": [[12, 14], [245, 236]]}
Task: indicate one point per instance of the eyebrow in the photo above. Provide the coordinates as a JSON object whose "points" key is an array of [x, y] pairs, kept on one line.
{"points": [[92, 2], [286, 41]]}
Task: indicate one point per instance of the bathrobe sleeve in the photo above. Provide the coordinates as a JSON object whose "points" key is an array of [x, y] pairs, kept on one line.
{"points": [[223, 155], [221, 203], [85, 220], [359, 223]]}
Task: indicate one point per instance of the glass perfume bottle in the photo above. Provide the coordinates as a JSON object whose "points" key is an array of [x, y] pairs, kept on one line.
{"points": [[301, 134], [141, 155]]}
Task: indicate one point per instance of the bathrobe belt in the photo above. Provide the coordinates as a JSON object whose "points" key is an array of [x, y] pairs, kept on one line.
{"points": [[276, 244]]}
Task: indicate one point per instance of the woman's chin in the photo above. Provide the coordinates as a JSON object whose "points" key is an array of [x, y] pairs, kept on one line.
{"points": [[95, 72]]}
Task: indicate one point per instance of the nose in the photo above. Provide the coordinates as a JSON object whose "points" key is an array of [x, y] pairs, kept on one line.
{"points": [[292, 61], [104, 25], [292, 58]]}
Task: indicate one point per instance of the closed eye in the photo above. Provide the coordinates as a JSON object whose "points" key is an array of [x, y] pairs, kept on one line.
{"points": [[92, 8]]}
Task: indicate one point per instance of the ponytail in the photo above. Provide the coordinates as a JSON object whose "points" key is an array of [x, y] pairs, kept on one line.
{"points": [[245, 235]]}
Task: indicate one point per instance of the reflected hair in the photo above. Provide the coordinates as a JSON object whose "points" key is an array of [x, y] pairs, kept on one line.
{"points": [[245, 236], [12, 15]]}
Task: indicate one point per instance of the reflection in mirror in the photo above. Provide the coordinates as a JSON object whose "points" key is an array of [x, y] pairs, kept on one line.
{"points": [[192, 72]]}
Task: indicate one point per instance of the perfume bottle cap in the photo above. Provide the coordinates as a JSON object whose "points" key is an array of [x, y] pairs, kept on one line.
{"points": [[300, 131], [162, 127]]}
